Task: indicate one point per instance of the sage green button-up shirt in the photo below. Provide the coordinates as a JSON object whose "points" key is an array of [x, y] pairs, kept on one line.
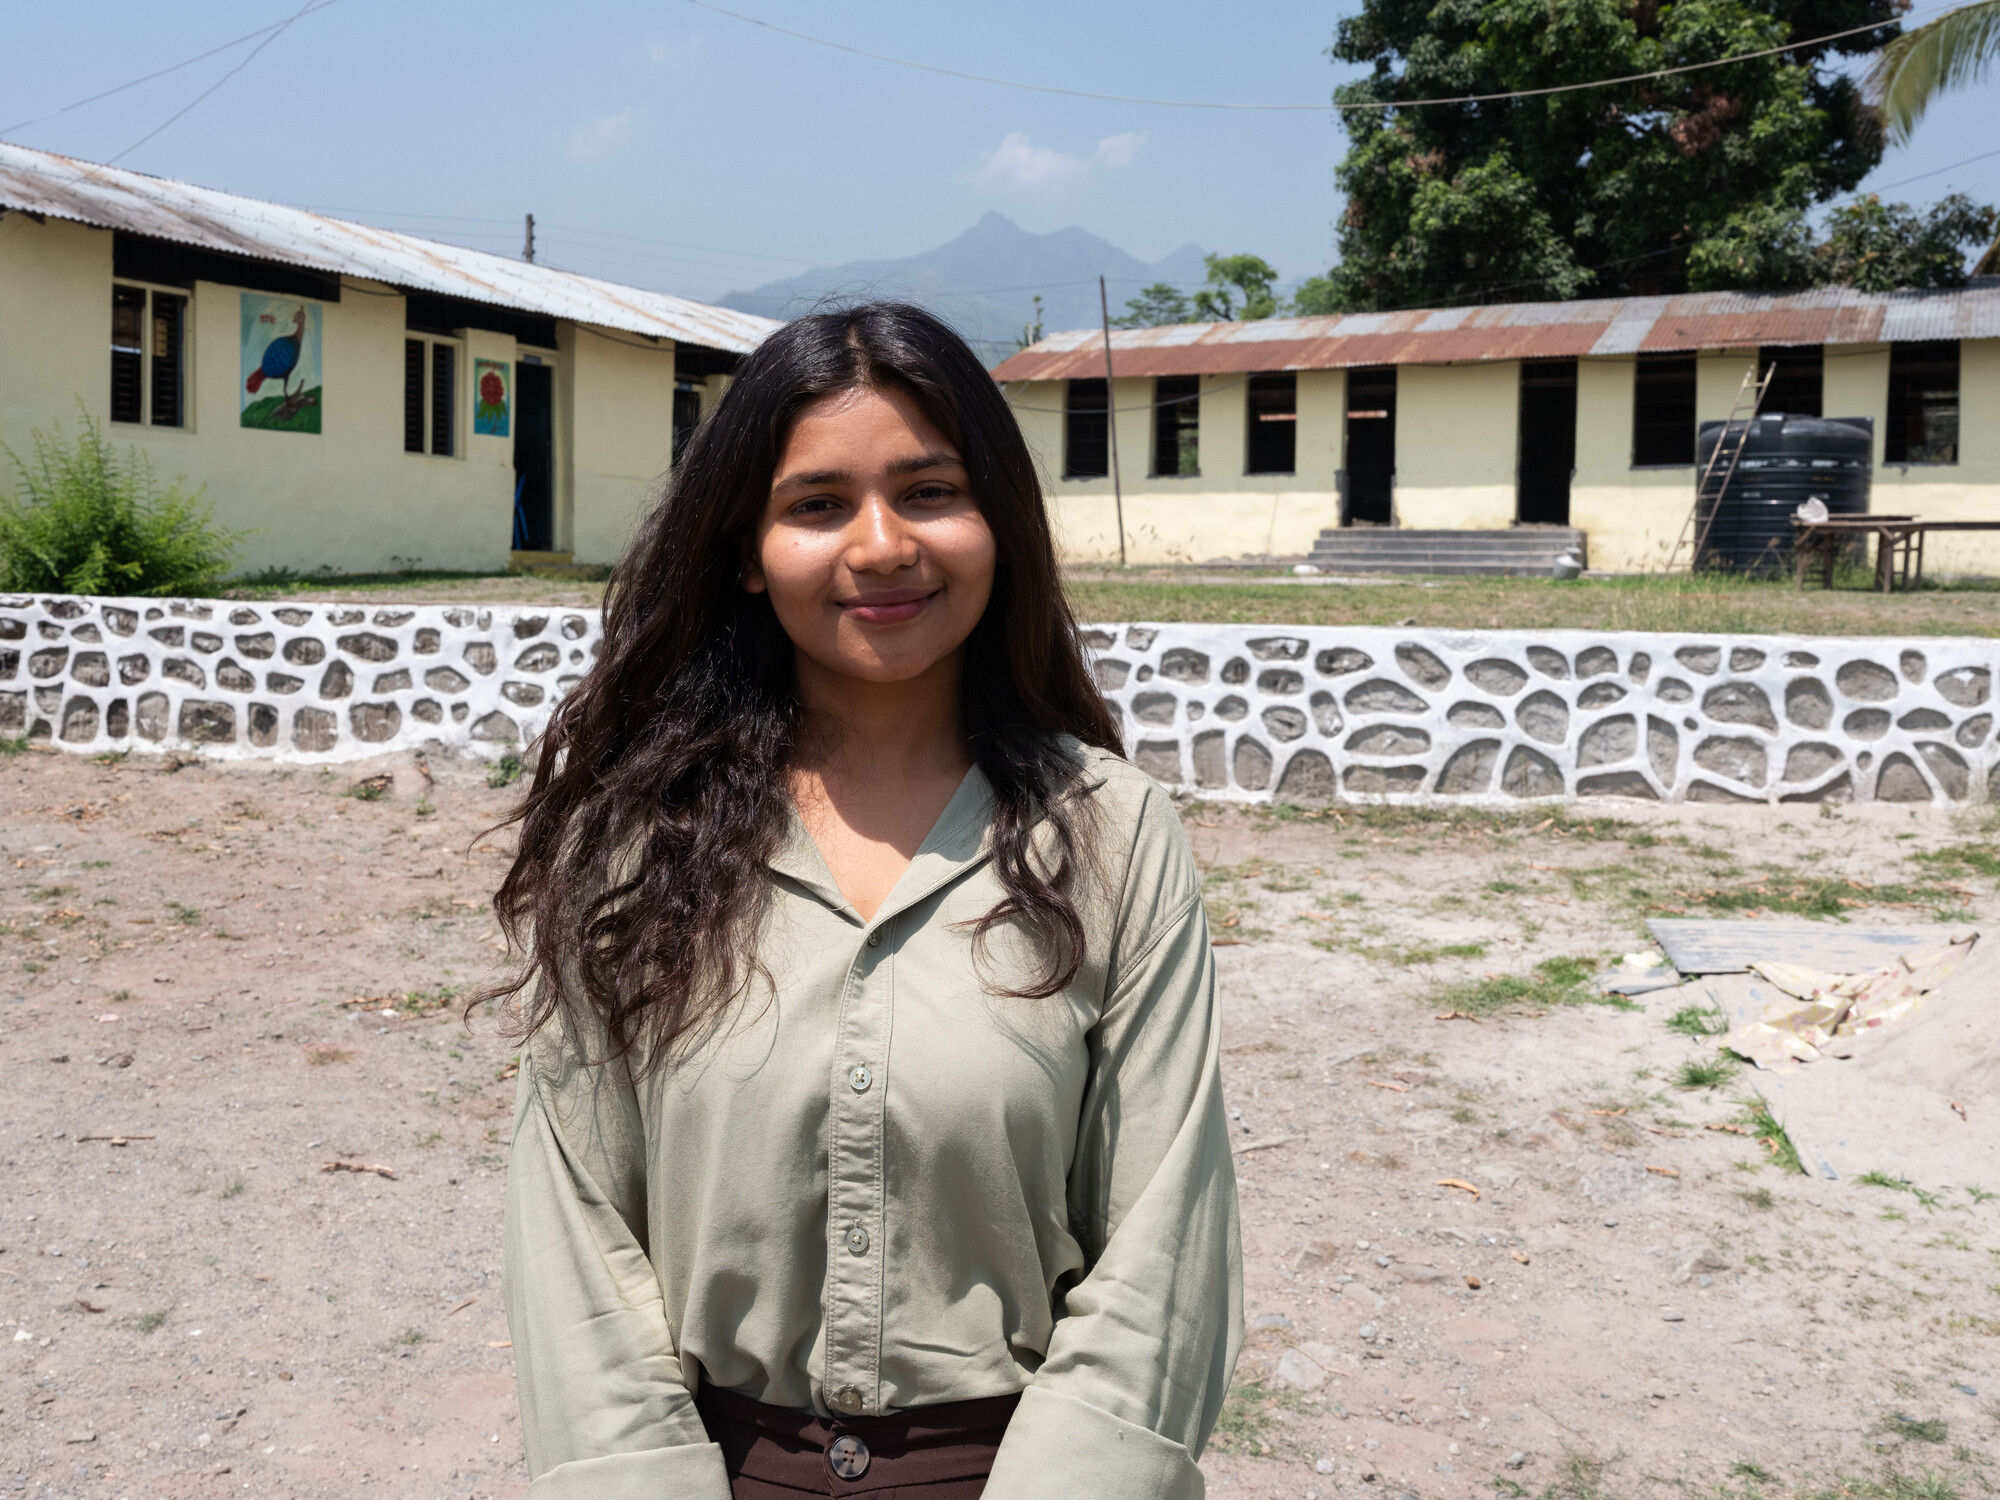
{"points": [[880, 1184]]}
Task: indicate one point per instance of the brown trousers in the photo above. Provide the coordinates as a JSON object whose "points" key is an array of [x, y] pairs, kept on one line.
{"points": [[941, 1452]]}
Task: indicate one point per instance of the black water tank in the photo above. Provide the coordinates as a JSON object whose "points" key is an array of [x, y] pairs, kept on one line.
{"points": [[1786, 461]]}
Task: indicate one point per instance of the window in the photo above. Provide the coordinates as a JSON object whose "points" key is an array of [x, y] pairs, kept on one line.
{"points": [[1177, 426], [1274, 424], [1797, 380], [1086, 435], [148, 356], [1923, 403], [430, 408], [1663, 411]]}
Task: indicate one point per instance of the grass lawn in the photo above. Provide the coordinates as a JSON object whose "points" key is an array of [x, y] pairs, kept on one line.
{"points": [[1712, 604], [1709, 604]]}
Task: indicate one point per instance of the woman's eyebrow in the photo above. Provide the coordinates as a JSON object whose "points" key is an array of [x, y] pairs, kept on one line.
{"points": [[916, 463]]}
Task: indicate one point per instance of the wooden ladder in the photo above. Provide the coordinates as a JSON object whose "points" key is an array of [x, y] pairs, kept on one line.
{"points": [[1721, 465]]}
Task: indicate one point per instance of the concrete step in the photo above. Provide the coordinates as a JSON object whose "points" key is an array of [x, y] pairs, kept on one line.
{"points": [[1391, 550]]}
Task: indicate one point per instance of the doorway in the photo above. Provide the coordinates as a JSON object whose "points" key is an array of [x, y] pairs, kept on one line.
{"points": [[1371, 447], [1547, 460], [534, 458]]}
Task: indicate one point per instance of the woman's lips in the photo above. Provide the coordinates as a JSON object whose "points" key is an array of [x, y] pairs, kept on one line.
{"points": [[892, 607]]}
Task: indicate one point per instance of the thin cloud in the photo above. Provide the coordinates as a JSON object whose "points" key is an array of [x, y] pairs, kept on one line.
{"points": [[1019, 162], [592, 139]]}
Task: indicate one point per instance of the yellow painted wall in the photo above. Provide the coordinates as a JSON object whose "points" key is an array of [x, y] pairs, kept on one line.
{"points": [[622, 438], [348, 498], [1456, 431], [1631, 517]]}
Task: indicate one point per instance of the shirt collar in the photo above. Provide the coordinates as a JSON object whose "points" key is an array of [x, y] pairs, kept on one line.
{"points": [[958, 841]]}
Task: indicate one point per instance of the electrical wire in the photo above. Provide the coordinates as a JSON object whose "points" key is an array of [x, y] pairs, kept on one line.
{"points": [[1040, 88], [276, 32], [186, 62]]}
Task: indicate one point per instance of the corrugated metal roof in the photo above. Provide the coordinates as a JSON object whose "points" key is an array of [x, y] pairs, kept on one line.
{"points": [[112, 198], [1517, 330]]}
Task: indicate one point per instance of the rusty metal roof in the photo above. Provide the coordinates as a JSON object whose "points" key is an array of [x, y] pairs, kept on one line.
{"points": [[1518, 330], [112, 198]]}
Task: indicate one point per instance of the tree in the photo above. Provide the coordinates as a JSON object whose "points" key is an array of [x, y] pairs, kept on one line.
{"points": [[1879, 246], [1031, 333], [1160, 303], [1695, 180], [1921, 64], [1239, 288]]}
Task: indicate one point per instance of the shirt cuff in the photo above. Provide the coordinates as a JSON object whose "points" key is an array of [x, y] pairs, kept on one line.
{"points": [[1058, 1446], [692, 1471]]}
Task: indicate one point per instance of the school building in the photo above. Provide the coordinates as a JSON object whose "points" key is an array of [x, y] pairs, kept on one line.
{"points": [[1296, 437], [355, 398]]}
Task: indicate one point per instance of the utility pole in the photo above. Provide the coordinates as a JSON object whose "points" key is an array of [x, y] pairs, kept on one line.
{"points": [[528, 244], [1111, 419]]}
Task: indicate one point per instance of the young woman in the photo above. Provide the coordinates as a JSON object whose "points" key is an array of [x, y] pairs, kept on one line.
{"points": [[870, 1136]]}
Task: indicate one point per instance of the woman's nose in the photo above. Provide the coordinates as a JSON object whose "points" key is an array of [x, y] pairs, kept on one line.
{"points": [[881, 541]]}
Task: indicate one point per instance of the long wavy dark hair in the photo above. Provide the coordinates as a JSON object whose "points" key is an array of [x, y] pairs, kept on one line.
{"points": [[661, 789]]}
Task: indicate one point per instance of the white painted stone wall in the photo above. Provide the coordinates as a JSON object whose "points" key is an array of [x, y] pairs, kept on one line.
{"points": [[288, 681], [1252, 712], [1244, 712]]}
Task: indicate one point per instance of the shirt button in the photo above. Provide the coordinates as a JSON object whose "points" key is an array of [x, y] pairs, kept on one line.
{"points": [[857, 1240], [860, 1078], [849, 1400], [875, 939]]}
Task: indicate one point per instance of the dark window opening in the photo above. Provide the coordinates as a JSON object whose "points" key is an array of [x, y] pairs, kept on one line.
{"points": [[534, 458], [128, 353], [444, 398], [1923, 403], [428, 312], [1371, 446], [1663, 408], [1547, 442], [1798, 378], [169, 324], [687, 416], [1086, 431], [165, 263], [413, 395], [698, 361], [1177, 426], [1274, 424]]}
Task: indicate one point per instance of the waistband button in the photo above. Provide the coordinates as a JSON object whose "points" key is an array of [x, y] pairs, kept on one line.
{"points": [[848, 1457]]}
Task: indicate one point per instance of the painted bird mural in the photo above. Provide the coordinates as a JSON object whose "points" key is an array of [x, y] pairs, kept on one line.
{"points": [[281, 356]]}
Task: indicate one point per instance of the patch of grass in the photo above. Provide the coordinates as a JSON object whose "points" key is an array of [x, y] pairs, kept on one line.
{"points": [[1413, 955], [47, 892], [147, 1322], [1743, 1468], [1824, 896], [1704, 1072], [1914, 1429], [1580, 1476], [409, 1337], [1698, 1021], [505, 771], [110, 757], [1784, 1155], [371, 788], [1552, 982], [1505, 887], [1758, 1197], [1891, 1484], [425, 808], [1960, 861], [232, 1188], [18, 745], [183, 914], [1244, 1419]]}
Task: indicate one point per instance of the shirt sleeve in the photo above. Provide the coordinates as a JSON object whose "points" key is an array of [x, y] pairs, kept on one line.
{"points": [[1141, 1356], [606, 1410]]}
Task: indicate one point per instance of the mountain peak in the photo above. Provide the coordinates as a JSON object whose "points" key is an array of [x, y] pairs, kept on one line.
{"points": [[984, 280]]}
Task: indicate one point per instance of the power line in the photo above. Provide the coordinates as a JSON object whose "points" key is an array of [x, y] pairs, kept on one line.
{"points": [[186, 62], [1042, 88], [276, 32]]}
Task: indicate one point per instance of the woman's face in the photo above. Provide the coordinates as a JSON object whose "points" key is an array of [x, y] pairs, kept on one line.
{"points": [[876, 559]]}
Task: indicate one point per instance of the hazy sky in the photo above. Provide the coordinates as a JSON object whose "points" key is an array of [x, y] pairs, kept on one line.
{"points": [[672, 147]]}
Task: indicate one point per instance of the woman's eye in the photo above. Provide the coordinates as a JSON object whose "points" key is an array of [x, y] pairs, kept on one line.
{"points": [[933, 492], [819, 505]]}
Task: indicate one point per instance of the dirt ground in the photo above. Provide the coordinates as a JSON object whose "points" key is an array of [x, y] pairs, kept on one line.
{"points": [[192, 1304]]}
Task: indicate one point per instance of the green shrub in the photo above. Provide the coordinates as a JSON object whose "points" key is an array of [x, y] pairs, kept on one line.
{"points": [[85, 522]]}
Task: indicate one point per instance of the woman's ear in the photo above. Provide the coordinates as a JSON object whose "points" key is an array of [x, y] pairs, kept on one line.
{"points": [[751, 575]]}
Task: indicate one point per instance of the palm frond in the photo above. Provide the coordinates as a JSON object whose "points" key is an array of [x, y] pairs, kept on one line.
{"points": [[1912, 70]]}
